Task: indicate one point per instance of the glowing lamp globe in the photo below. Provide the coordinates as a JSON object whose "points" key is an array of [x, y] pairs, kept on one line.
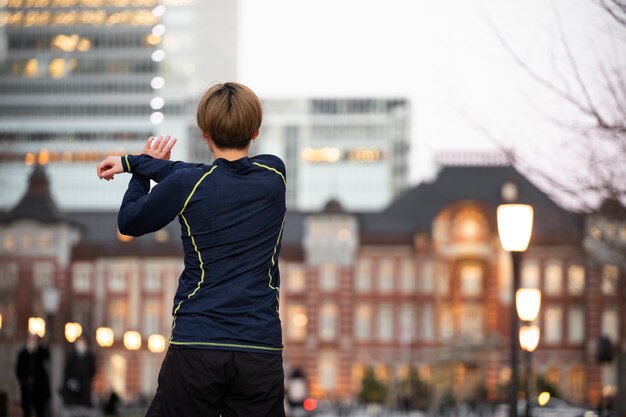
{"points": [[104, 336], [515, 226], [73, 331], [132, 340]]}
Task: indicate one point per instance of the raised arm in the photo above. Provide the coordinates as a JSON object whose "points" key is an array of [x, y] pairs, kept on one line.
{"points": [[153, 163], [144, 211]]}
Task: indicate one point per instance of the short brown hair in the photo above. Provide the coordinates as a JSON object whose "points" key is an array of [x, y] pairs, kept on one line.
{"points": [[229, 114]]}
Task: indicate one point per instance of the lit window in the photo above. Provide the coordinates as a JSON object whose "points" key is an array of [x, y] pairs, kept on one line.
{"points": [[297, 321], [31, 68], [81, 278], [43, 274], [576, 279], [576, 325], [553, 280], [328, 368], [328, 321], [385, 322], [609, 279], [151, 317], [118, 310], [385, 276], [328, 277], [553, 325], [530, 274], [363, 322], [446, 323], [9, 242], [363, 275], [296, 280], [471, 279], [45, 240], [471, 322]]}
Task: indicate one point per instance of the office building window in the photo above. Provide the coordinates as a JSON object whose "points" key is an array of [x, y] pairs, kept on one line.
{"points": [[385, 322], [385, 276], [471, 275], [363, 322], [297, 321], [553, 325], [328, 321], [530, 274], [553, 278], [329, 277], [363, 278], [576, 324], [407, 276], [81, 278], [576, 279]]}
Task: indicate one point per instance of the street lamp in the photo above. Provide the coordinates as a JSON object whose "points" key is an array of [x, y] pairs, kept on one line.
{"points": [[527, 303], [132, 340], [37, 326], [104, 336], [73, 331], [529, 339], [50, 298], [156, 343], [515, 224]]}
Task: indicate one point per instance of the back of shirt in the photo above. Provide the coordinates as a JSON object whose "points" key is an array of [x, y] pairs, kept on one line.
{"points": [[232, 215]]}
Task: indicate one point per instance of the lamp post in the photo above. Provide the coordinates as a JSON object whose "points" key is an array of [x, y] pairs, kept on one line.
{"points": [[50, 298], [515, 224], [529, 339]]}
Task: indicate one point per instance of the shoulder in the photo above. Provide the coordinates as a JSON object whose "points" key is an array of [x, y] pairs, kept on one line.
{"points": [[185, 177], [271, 161]]}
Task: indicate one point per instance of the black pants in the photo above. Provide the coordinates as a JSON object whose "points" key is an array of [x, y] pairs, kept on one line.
{"points": [[210, 383]]}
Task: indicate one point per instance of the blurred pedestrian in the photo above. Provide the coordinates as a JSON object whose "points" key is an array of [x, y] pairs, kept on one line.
{"points": [[32, 374], [111, 406], [80, 368]]}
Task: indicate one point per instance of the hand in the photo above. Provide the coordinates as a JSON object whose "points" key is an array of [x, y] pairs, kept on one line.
{"points": [[159, 148], [110, 166]]}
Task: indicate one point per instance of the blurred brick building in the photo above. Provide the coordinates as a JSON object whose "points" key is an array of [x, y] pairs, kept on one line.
{"points": [[422, 284]]}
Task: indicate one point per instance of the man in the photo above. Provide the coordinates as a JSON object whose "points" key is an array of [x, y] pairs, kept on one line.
{"points": [[225, 354], [33, 377]]}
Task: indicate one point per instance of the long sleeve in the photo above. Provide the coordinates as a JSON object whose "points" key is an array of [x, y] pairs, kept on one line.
{"points": [[152, 168], [144, 211]]}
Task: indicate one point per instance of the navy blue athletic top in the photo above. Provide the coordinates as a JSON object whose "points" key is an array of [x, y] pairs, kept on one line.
{"points": [[231, 215]]}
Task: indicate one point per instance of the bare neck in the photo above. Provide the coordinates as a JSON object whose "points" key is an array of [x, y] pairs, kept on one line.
{"points": [[230, 154]]}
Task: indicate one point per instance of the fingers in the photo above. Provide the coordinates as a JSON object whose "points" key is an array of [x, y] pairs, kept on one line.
{"points": [[146, 148], [160, 147]]}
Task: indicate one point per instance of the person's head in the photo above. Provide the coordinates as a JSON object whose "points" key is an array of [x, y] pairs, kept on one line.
{"points": [[32, 342], [229, 116], [81, 345]]}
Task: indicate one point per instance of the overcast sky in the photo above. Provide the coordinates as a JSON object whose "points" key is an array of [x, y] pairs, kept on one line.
{"points": [[442, 55]]}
